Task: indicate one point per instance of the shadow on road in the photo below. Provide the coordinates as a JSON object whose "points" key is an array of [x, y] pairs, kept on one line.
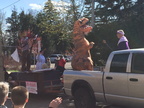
{"points": [[42, 101]]}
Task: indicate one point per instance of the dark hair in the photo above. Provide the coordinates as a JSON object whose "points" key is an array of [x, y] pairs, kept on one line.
{"points": [[41, 51], [19, 95], [61, 56], [4, 90]]}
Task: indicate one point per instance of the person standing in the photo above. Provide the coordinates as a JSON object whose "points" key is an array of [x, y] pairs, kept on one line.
{"points": [[123, 41], [56, 62], [25, 53], [48, 62], [61, 65], [40, 60]]}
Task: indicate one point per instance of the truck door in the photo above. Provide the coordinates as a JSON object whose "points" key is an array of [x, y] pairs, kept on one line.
{"points": [[116, 81], [136, 78]]}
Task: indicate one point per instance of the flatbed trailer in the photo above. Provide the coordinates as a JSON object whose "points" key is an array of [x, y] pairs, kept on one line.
{"points": [[38, 81]]}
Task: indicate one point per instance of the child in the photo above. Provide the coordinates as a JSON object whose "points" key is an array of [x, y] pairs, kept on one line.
{"points": [[4, 90], [48, 62], [19, 96]]}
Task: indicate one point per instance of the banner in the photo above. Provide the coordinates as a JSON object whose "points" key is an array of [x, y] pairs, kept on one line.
{"points": [[31, 87], [15, 56]]}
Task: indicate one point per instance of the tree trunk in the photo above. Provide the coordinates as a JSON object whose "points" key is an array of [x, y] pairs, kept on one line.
{"points": [[1, 60]]}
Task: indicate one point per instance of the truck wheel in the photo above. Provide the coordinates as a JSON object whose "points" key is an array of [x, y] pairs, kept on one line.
{"points": [[83, 99]]}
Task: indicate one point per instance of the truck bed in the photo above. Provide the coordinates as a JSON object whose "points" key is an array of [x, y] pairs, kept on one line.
{"points": [[91, 77], [47, 81]]}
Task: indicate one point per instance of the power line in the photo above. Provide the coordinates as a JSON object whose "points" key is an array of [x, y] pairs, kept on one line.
{"points": [[10, 5]]}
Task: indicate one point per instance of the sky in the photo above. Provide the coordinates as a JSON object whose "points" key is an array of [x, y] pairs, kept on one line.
{"points": [[6, 6]]}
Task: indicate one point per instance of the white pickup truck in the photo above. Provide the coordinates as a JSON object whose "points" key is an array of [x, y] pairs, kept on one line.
{"points": [[121, 83]]}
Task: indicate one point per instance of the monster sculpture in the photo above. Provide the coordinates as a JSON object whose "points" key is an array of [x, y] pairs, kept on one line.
{"points": [[82, 57]]}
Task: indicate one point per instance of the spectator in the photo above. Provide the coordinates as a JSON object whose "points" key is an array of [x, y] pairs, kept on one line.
{"points": [[40, 60], [55, 103], [44, 66], [19, 96], [4, 90], [56, 62], [6, 74], [123, 42], [48, 62], [61, 65]]}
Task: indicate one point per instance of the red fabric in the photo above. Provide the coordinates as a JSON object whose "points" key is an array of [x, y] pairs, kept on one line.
{"points": [[61, 62]]}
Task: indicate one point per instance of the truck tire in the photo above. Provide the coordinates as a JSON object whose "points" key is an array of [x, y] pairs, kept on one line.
{"points": [[84, 99]]}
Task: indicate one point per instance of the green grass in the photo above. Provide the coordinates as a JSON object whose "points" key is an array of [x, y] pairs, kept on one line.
{"points": [[9, 71]]}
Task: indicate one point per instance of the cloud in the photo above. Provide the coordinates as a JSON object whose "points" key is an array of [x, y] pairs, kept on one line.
{"points": [[36, 6], [60, 5], [8, 24]]}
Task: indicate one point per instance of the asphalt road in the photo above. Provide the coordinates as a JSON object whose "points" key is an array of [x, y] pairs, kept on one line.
{"points": [[42, 101]]}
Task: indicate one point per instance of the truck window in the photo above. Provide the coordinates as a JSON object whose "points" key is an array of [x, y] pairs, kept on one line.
{"points": [[137, 63], [119, 63]]}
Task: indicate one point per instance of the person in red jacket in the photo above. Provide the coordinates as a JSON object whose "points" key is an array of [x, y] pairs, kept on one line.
{"points": [[61, 64]]}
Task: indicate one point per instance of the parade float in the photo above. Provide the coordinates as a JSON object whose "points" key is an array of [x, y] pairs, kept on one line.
{"points": [[36, 81]]}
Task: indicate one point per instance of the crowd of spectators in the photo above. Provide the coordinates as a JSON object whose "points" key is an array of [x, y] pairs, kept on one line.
{"points": [[20, 96]]}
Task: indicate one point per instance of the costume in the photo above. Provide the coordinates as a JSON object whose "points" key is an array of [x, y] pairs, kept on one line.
{"points": [[40, 61], [82, 57], [26, 60], [123, 43]]}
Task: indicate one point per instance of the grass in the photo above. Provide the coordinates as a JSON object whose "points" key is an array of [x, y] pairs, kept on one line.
{"points": [[9, 71]]}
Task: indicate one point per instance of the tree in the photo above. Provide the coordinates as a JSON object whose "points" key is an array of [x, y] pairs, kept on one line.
{"points": [[2, 16], [14, 27], [53, 29], [113, 10], [27, 22], [19, 22], [50, 26], [1, 54]]}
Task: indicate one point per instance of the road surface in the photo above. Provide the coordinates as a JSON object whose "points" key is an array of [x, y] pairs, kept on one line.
{"points": [[42, 101]]}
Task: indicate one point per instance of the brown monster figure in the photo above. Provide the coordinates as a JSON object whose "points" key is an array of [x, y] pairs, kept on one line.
{"points": [[82, 57]]}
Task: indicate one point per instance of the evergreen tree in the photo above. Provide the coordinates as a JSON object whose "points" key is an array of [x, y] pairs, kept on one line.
{"points": [[14, 27], [87, 11], [52, 29], [113, 10]]}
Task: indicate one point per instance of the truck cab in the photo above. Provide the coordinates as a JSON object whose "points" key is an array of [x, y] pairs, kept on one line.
{"points": [[124, 77]]}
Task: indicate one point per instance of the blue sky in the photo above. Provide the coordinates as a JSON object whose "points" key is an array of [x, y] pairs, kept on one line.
{"points": [[19, 4], [6, 6]]}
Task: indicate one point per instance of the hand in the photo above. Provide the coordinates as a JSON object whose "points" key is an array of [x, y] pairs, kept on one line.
{"points": [[56, 102], [104, 41]]}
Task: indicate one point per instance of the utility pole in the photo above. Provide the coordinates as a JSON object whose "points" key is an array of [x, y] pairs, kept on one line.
{"points": [[93, 13]]}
